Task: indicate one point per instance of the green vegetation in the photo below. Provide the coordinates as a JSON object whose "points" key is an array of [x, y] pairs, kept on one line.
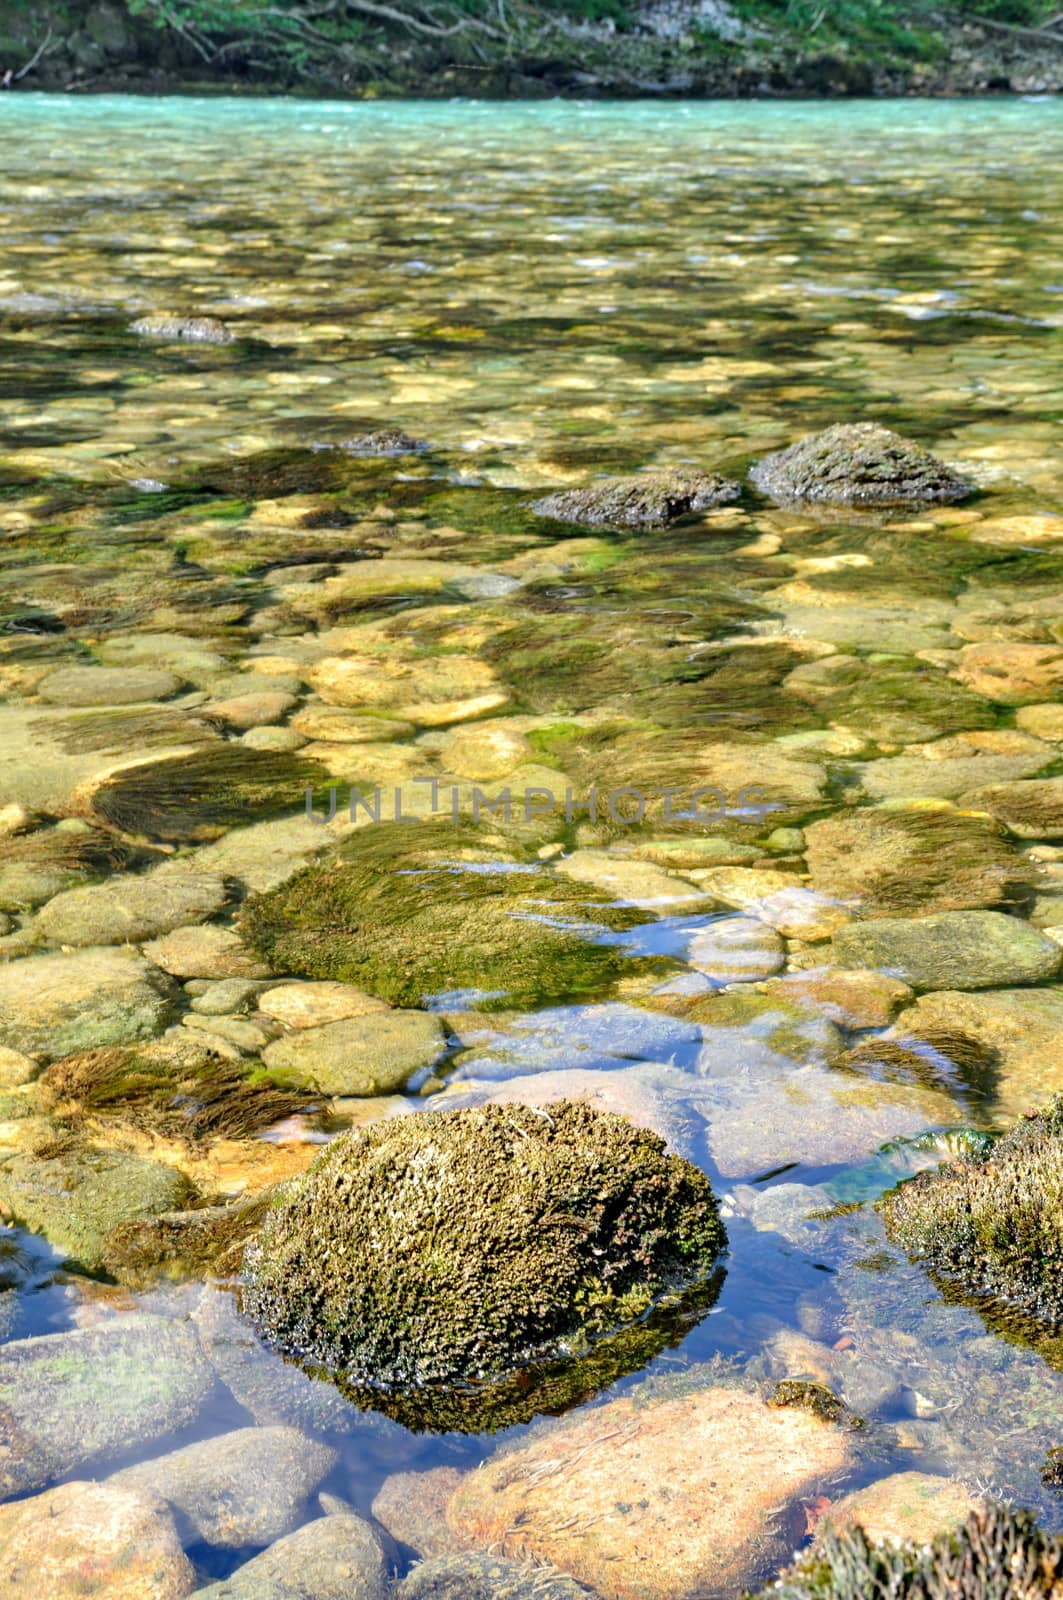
{"points": [[452, 1248], [371, 48]]}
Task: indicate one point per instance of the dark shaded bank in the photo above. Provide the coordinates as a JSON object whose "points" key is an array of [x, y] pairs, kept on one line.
{"points": [[496, 48]]}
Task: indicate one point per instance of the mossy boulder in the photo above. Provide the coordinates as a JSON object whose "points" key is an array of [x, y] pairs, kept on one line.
{"points": [[858, 464], [999, 1554], [455, 1247], [992, 1224], [406, 912], [646, 500]]}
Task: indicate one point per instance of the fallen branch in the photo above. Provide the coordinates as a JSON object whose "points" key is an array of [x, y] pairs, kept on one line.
{"points": [[11, 76], [1041, 35]]}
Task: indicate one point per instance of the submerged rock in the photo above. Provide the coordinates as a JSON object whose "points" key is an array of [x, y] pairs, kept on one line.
{"points": [[67, 1399], [128, 909], [656, 1501], [86, 1539], [189, 798], [447, 1247], [882, 862], [107, 686], [1021, 1027], [365, 1055], [407, 912], [412, 1507], [905, 1508], [993, 1226], [999, 1554], [1032, 810], [334, 1558], [474, 1576], [1012, 672], [858, 464], [242, 1488], [76, 1196], [646, 500], [951, 950], [193, 330], [52, 1005]]}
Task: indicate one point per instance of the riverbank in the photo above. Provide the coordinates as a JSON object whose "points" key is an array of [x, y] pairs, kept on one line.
{"points": [[667, 48]]}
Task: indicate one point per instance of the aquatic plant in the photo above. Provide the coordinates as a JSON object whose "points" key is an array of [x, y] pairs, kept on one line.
{"points": [[182, 1244], [198, 796], [858, 464], [993, 1225], [998, 1554], [451, 1247], [646, 500], [937, 1058], [407, 912]]}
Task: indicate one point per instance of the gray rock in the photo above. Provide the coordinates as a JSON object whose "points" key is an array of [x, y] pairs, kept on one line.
{"points": [[951, 950], [80, 1397], [334, 1558], [858, 464], [75, 1198], [55, 1004], [192, 330], [226, 997], [645, 500], [127, 909], [207, 951], [243, 1488], [374, 1054], [384, 442], [107, 686]]}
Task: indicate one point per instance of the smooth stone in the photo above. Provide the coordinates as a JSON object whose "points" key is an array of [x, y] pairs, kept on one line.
{"points": [[431, 692], [908, 1507], [272, 739], [337, 1557], [107, 686], [265, 854], [1042, 721], [1032, 810], [339, 725], [242, 1488], [854, 1000], [1023, 1026], [245, 1033], [412, 1506], [16, 1069], [312, 1005], [257, 710], [363, 1055], [272, 1390], [55, 1004], [91, 1539], [484, 750], [778, 899], [1012, 673], [207, 951], [92, 1394], [736, 950], [225, 997], [620, 1498], [77, 1199], [944, 768], [128, 909], [178, 652], [632, 882], [951, 950]]}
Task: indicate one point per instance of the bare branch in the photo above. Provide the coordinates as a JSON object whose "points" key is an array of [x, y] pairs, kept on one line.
{"points": [[11, 76]]}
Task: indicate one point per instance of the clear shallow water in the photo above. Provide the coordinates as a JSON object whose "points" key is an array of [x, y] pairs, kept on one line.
{"points": [[545, 292]]}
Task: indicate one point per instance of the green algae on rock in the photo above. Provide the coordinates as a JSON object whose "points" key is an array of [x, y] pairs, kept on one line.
{"points": [[451, 1247], [407, 912], [646, 500], [993, 1225], [474, 1576], [999, 1554], [951, 950], [858, 464]]}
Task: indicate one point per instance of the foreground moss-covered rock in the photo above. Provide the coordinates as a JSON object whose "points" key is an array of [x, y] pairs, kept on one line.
{"points": [[451, 1247], [858, 464], [993, 1225], [406, 912], [998, 1555]]}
